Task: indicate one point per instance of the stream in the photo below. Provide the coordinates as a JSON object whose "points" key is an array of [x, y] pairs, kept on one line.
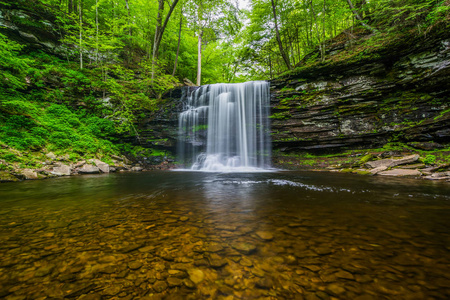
{"points": [[195, 235]]}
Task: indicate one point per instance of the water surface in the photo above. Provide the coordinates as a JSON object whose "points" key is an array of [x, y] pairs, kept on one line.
{"points": [[190, 235]]}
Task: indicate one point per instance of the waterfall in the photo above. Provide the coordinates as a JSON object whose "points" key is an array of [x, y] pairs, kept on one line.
{"points": [[226, 128]]}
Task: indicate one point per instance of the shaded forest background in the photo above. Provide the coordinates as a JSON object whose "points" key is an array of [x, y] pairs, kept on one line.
{"points": [[110, 61]]}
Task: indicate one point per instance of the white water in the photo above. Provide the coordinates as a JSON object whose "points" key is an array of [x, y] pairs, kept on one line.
{"points": [[225, 128]]}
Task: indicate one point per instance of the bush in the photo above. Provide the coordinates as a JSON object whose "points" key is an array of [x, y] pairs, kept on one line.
{"points": [[429, 159]]}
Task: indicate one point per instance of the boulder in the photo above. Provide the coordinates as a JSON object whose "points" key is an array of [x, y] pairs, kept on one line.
{"points": [[401, 173], [136, 169], [29, 174], [379, 163], [89, 169], [378, 170], [405, 160], [51, 155], [389, 162], [7, 177], [104, 167], [62, 170]]}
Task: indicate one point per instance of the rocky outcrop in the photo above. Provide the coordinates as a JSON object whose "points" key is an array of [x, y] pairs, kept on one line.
{"points": [[398, 93], [33, 25]]}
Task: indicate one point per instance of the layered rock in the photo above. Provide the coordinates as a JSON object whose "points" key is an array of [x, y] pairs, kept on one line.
{"points": [[396, 93]]}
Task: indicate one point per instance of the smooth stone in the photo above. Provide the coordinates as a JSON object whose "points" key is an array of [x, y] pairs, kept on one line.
{"points": [[104, 167], [334, 289], [246, 262], [183, 219], [244, 247], [62, 170], [89, 169], [188, 283], [160, 286], [196, 275], [265, 235], [134, 265], [173, 281], [345, 275], [112, 290]]}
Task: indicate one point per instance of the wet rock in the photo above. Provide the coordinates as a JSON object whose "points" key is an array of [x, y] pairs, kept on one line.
{"points": [[323, 250], [265, 283], [44, 271], [184, 219], [265, 235], [160, 286], [334, 289], [112, 290], [344, 275], [401, 173], [188, 283], [130, 248], [244, 247], [196, 275], [214, 247], [174, 281], [7, 177], [92, 296], [134, 265], [246, 262], [137, 169]]}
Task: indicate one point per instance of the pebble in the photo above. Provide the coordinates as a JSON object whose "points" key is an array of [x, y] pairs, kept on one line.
{"points": [[196, 275], [134, 265], [265, 235]]}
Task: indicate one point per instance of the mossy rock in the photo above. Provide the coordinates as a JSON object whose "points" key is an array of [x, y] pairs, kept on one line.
{"points": [[365, 159], [7, 177]]}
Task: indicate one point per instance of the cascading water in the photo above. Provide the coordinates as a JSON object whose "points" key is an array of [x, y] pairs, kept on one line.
{"points": [[226, 128]]}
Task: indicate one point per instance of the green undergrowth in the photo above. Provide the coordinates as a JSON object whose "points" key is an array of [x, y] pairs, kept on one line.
{"points": [[48, 104]]}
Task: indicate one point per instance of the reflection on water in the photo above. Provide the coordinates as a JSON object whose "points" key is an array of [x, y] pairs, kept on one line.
{"points": [[184, 235]]}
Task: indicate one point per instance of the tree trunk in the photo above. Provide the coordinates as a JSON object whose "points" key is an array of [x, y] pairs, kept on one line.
{"points": [[199, 59], [356, 14], [280, 46], [179, 42], [159, 31], [96, 31], [129, 17], [81, 35]]}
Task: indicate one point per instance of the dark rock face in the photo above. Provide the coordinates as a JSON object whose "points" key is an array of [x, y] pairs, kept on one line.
{"points": [[33, 25], [400, 93], [159, 129]]}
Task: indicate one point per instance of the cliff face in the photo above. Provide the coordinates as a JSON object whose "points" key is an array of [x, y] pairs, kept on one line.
{"points": [[31, 25], [399, 92]]}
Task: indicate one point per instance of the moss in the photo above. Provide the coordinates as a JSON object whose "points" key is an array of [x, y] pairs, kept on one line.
{"points": [[365, 159]]}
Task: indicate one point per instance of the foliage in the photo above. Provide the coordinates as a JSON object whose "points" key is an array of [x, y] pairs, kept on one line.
{"points": [[429, 159]]}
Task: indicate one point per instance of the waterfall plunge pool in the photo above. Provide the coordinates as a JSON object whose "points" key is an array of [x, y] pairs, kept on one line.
{"points": [[193, 235]]}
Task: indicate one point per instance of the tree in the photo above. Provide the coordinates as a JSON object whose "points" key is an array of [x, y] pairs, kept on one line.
{"points": [[280, 45], [160, 28]]}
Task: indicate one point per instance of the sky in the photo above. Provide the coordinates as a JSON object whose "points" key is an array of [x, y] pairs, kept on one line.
{"points": [[243, 4]]}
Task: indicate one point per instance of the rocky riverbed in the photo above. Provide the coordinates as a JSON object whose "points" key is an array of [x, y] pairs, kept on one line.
{"points": [[188, 244]]}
